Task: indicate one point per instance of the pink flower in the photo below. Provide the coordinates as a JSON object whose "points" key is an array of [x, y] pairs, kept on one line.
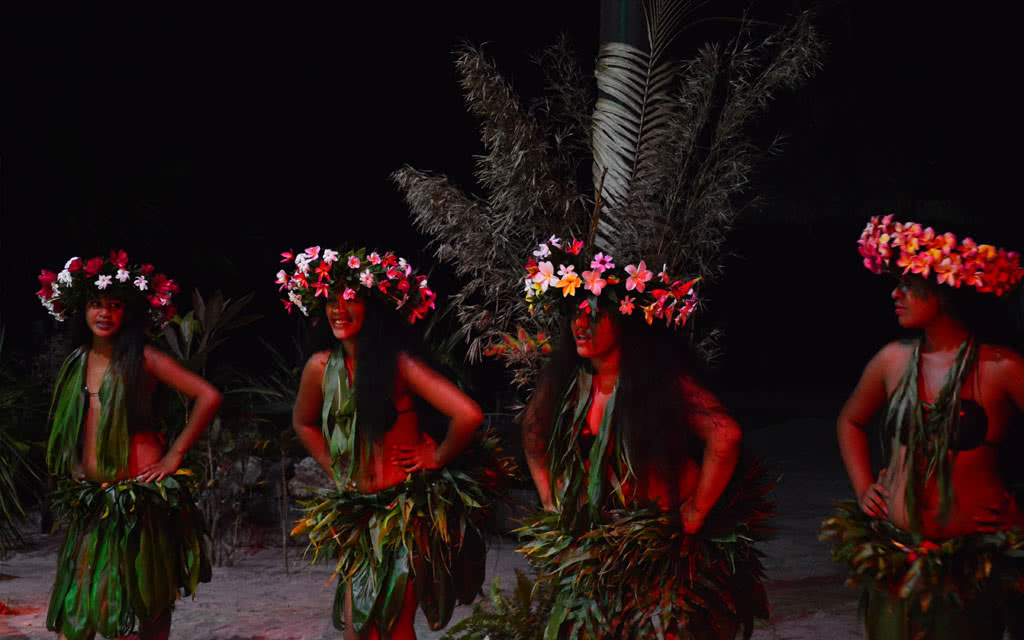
{"points": [[146, 269], [593, 282], [626, 308], [664, 274], [366, 278], [585, 306], [353, 262], [287, 303], [638, 277], [555, 241], [349, 294], [312, 252], [601, 262], [322, 289], [282, 279], [287, 256], [545, 275], [374, 258]]}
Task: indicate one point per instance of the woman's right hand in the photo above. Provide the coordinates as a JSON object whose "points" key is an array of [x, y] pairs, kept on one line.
{"points": [[874, 501]]}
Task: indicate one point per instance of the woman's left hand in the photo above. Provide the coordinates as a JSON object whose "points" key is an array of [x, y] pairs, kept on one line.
{"points": [[413, 458], [693, 520], [157, 471]]}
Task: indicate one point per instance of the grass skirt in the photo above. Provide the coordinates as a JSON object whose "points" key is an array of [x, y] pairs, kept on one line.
{"points": [[912, 589], [429, 530], [131, 549], [636, 574]]}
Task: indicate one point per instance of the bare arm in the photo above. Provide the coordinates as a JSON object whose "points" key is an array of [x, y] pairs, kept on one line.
{"points": [[207, 400], [448, 399], [1011, 375], [867, 397], [537, 460], [306, 412], [721, 436]]}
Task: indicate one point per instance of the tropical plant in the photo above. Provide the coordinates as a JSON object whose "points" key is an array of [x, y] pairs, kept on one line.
{"points": [[670, 156], [524, 616], [19, 399]]}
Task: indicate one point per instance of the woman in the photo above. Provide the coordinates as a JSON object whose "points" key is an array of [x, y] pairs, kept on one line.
{"points": [[632, 455], [356, 413], [938, 510], [134, 536]]}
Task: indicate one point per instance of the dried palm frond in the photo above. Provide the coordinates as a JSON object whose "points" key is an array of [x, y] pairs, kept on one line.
{"points": [[671, 163]]}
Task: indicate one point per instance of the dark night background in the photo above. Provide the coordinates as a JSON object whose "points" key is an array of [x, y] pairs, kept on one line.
{"points": [[207, 137]]}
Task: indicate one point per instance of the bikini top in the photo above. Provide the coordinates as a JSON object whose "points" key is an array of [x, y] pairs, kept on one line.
{"points": [[971, 430]]}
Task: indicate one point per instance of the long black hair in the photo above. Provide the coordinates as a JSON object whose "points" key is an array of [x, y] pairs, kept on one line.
{"points": [[652, 412], [126, 361]]}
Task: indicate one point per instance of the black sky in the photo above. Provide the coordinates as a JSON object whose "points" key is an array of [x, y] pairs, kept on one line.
{"points": [[206, 137]]}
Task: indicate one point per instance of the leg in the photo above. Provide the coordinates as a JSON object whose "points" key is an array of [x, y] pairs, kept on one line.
{"points": [[159, 628], [403, 629], [350, 632]]}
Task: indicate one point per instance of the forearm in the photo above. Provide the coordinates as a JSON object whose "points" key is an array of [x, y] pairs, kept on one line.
{"points": [[716, 470], [538, 465], [313, 440], [202, 415], [856, 452], [460, 434]]}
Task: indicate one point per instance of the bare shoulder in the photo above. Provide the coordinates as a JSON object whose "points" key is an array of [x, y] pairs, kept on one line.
{"points": [[151, 357], [1001, 360], [894, 356], [318, 361]]}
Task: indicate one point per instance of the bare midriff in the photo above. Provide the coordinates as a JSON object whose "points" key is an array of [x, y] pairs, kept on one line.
{"points": [[976, 489], [146, 448], [377, 472]]}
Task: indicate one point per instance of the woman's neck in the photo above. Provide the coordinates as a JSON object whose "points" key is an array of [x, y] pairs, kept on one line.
{"points": [[606, 370], [102, 346], [944, 334], [349, 347]]}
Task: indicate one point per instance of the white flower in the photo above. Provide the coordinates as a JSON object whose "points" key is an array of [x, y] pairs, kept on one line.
{"points": [[366, 278], [353, 262], [102, 282], [374, 258], [330, 256], [545, 275], [55, 287], [64, 277], [542, 251], [68, 263], [294, 297], [302, 262], [528, 281], [48, 304], [123, 276], [140, 283], [555, 241]]}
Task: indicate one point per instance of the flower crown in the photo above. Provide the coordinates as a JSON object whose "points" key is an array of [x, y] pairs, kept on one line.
{"points": [[923, 252], [81, 281], [603, 283], [327, 273]]}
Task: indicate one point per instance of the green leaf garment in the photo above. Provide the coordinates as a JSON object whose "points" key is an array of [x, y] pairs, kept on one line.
{"points": [[429, 530], [627, 570], [131, 547], [913, 587]]}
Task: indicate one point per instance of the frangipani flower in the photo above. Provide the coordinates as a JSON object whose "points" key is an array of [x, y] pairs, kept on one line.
{"points": [[140, 283], [123, 275], [374, 258], [542, 251], [545, 275], [626, 307], [568, 284], [353, 262], [638, 276], [366, 278], [102, 282], [601, 262], [575, 247], [593, 282], [349, 294], [330, 256]]}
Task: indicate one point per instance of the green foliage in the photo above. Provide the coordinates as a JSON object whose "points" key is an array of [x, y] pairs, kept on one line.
{"points": [[197, 334], [523, 616], [20, 402], [930, 577]]}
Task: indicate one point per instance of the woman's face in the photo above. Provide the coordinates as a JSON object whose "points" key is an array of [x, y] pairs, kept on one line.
{"points": [[916, 305], [345, 316], [104, 316], [595, 338]]}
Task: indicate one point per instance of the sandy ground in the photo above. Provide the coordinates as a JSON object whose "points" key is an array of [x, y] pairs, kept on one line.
{"points": [[256, 600]]}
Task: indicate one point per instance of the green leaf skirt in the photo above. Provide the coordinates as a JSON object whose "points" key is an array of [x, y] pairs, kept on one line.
{"points": [[637, 574], [131, 550], [912, 588], [427, 531]]}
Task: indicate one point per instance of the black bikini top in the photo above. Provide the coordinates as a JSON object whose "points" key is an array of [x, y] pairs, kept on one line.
{"points": [[971, 431]]}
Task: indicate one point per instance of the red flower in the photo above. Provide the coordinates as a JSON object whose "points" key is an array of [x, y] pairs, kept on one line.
{"points": [[93, 266], [575, 247], [287, 255], [74, 265], [147, 269], [46, 280], [322, 289], [287, 304], [119, 258], [323, 271], [389, 260], [160, 283], [384, 284], [300, 278]]}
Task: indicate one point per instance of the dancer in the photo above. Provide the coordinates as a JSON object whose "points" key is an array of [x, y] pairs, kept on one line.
{"points": [[633, 454], [134, 539], [398, 489], [932, 535]]}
